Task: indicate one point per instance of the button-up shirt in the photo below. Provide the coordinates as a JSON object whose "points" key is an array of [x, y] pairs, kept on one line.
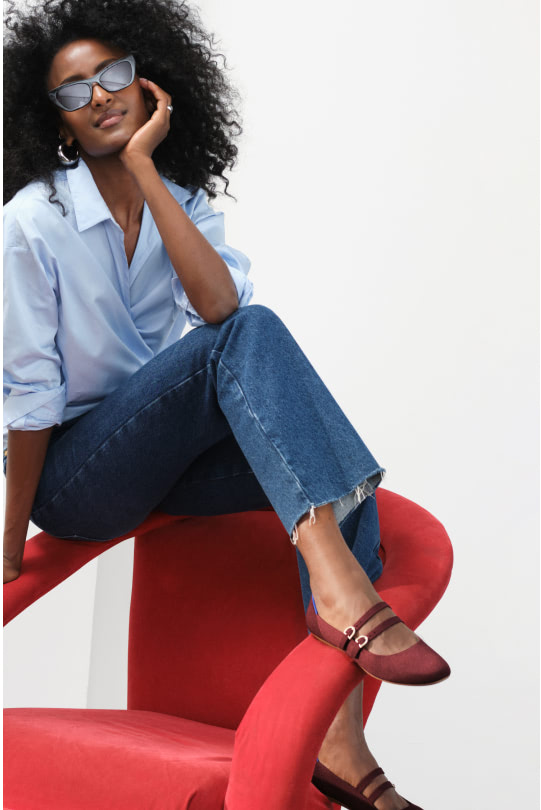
{"points": [[78, 320]]}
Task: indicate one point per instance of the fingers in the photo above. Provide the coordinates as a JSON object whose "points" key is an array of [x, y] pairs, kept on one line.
{"points": [[163, 99]]}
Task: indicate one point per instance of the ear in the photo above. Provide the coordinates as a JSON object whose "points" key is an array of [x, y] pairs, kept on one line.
{"points": [[68, 139], [66, 135]]}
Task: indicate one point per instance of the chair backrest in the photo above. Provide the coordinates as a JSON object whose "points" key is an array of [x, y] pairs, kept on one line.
{"points": [[216, 604]]}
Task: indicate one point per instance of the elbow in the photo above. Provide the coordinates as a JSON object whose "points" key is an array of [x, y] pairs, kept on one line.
{"points": [[220, 315], [224, 308]]}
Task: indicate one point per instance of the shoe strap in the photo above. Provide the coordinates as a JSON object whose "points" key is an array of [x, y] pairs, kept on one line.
{"points": [[346, 640], [369, 613], [365, 781], [382, 627], [356, 644], [378, 791]]}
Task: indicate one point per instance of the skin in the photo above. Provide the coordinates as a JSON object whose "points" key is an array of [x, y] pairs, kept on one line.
{"points": [[120, 160]]}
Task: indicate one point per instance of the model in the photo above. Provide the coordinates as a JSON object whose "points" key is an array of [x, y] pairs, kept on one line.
{"points": [[118, 121]]}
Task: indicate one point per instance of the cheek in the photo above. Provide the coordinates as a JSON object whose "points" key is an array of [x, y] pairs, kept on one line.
{"points": [[140, 101], [144, 106]]}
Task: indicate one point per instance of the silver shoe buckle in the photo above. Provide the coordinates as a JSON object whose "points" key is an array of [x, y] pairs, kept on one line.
{"points": [[353, 631], [362, 640]]}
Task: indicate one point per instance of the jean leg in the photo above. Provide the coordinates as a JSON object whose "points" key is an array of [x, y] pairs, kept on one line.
{"points": [[221, 481], [301, 446], [360, 530], [246, 376], [108, 469]]}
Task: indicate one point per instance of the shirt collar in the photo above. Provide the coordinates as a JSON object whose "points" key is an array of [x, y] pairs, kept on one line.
{"points": [[88, 204]]}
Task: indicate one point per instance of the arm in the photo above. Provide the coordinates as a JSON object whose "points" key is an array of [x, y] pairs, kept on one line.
{"points": [[26, 454], [34, 389], [201, 270]]}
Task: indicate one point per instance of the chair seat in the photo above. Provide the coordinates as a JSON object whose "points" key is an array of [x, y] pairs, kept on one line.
{"points": [[113, 759]]}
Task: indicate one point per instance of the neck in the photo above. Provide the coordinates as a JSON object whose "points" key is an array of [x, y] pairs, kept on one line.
{"points": [[118, 188]]}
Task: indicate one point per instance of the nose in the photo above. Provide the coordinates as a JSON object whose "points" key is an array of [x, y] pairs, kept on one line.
{"points": [[100, 96]]}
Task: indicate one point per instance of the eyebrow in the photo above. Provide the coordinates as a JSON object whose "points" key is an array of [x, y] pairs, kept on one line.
{"points": [[101, 65]]}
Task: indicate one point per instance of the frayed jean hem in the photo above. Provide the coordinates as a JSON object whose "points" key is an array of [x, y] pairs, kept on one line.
{"points": [[344, 505]]}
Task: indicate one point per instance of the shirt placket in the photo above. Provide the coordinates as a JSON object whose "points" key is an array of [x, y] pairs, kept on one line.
{"points": [[116, 240]]}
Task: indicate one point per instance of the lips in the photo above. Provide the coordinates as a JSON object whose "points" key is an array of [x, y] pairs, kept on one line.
{"points": [[109, 118]]}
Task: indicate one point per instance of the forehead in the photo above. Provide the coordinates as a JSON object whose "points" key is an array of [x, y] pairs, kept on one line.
{"points": [[80, 58]]}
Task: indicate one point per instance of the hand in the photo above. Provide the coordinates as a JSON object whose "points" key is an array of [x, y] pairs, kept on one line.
{"points": [[11, 570], [14, 545], [143, 142]]}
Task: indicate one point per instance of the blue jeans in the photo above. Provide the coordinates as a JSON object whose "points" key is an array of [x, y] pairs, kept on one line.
{"points": [[230, 418]]}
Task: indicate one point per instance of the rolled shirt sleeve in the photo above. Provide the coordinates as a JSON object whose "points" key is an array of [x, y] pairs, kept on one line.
{"points": [[211, 225], [34, 391]]}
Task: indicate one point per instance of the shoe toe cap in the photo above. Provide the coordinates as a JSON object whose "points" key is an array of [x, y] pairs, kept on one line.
{"points": [[419, 664]]}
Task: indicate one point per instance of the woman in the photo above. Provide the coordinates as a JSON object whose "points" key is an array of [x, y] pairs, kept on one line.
{"points": [[118, 120]]}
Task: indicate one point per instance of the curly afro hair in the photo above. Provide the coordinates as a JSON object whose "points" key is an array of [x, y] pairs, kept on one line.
{"points": [[170, 46]]}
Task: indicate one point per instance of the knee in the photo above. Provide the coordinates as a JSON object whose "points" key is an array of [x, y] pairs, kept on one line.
{"points": [[255, 327], [258, 314]]}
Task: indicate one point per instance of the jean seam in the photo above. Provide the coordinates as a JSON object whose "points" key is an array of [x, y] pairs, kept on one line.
{"points": [[111, 436], [263, 431]]}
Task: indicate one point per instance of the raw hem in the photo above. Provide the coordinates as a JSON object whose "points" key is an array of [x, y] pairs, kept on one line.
{"points": [[346, 503]]}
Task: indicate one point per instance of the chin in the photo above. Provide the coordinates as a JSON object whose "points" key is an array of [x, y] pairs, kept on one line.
{"points": [[114, 146]]}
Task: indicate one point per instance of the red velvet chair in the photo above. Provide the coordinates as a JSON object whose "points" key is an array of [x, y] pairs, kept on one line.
{"points": [[228, 697]]}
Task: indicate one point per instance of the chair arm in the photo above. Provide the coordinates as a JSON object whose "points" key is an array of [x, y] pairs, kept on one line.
{"points": [[279, 737], [49, 560], [277, 742]]}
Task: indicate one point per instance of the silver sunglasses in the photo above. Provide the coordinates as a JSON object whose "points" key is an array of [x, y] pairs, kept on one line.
{"points": [[74, 95]]}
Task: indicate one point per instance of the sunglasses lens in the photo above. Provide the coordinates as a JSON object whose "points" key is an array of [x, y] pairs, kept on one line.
{"points": [[73, 96], [117, 76]]}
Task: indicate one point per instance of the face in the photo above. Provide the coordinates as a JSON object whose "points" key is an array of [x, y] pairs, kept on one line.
{"points": [[80, 60]]}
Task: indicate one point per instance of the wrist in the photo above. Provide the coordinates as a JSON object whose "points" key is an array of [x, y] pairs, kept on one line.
{"points": [[12, 570], [139, 165], [14, 542], [14, 559]]}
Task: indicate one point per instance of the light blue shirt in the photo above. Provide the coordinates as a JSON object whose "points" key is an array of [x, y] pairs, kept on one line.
{"points": [[77, 320]]}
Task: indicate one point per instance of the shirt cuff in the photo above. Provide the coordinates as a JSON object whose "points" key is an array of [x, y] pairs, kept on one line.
{"points": [[35, 410]]}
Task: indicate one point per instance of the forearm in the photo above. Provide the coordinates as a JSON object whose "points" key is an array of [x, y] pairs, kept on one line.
{"points": [[202, 271], [25, 457]]}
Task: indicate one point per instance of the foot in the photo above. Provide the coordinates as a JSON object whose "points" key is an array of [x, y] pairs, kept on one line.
{"points": [[346, 754], [356, 597], [353, 769], [341, 588]]}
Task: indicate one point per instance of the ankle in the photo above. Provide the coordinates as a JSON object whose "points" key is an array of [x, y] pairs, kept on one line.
{"points": [[349, 762], [350, 597]]}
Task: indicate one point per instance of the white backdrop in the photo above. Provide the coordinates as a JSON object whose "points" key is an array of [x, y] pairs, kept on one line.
{"points": [[388, 198]]}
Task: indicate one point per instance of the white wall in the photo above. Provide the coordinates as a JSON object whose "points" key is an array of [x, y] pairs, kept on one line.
{"points": [[47, 649], [388, 199]]}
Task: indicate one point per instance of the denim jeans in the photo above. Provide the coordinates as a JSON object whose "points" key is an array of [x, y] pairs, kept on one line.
{"points": [[232, 417]]}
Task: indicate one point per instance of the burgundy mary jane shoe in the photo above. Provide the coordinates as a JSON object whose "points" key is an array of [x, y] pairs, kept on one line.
{"points": [[349, 796], [417, 665]]}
